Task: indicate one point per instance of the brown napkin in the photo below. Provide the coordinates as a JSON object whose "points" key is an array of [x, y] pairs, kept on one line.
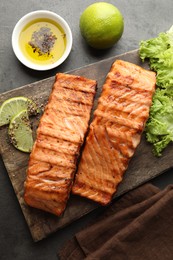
{"points": [[139, 225]]}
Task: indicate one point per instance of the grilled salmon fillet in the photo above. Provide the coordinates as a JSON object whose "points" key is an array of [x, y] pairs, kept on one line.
{"points": [[115, 132], [60, 134]]}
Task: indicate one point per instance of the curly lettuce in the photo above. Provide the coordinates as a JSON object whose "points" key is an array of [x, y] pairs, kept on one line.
{"points": [[159, 127], [159, 51]]}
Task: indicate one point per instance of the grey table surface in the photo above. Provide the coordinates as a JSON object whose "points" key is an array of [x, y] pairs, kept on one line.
{"points": [[143, 20]]}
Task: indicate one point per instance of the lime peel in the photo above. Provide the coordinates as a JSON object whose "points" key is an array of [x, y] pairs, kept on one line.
{"points": [[101, 25]]}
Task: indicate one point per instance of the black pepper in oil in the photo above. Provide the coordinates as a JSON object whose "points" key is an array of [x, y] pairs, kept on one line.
{"points": [[42, 41]]}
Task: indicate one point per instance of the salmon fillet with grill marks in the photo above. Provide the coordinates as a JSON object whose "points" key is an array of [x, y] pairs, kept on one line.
{"points": [[60, 134], [115, 131]]}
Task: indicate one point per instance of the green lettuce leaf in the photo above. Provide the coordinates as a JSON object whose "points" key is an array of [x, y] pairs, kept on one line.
{"points": [[159, 127], [152, 48], [159, 51], [164, 68]]}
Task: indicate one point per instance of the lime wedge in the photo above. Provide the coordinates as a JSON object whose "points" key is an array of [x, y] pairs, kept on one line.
{"points": [[13, 106], [20, 132]]}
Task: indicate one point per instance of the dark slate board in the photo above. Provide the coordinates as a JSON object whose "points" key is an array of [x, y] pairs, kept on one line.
{"points": [[143, 166]]}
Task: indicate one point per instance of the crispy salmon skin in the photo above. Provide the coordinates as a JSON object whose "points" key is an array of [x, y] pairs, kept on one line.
{"points": [[115, 132], [60, 134]]}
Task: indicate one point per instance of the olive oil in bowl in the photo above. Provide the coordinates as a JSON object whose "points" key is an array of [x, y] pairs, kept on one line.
{"points": [[42, 41]]}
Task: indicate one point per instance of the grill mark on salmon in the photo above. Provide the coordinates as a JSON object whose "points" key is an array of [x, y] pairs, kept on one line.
{"points": [[76, 85], [73, 96], [56, 144], [115, 131], [60, 134], [71, 107]]}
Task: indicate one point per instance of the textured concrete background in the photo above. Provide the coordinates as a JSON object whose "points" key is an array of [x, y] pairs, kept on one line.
{"points": [[143, 20]]}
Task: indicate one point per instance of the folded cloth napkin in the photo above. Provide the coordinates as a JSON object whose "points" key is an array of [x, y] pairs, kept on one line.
{"points": [[138, 225]]}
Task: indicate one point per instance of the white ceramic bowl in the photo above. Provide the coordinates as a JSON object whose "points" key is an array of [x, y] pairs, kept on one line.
{"points": [[28, 18]]}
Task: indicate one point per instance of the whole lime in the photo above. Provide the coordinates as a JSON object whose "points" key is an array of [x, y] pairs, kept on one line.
{"points": [[101, 25]]}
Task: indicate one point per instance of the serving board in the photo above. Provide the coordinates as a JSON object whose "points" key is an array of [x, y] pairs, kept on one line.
{"points": [[143, 166]]}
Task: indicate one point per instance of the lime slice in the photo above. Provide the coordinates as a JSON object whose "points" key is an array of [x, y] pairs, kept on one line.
{"points": [[13, 106], [20, 132]]}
